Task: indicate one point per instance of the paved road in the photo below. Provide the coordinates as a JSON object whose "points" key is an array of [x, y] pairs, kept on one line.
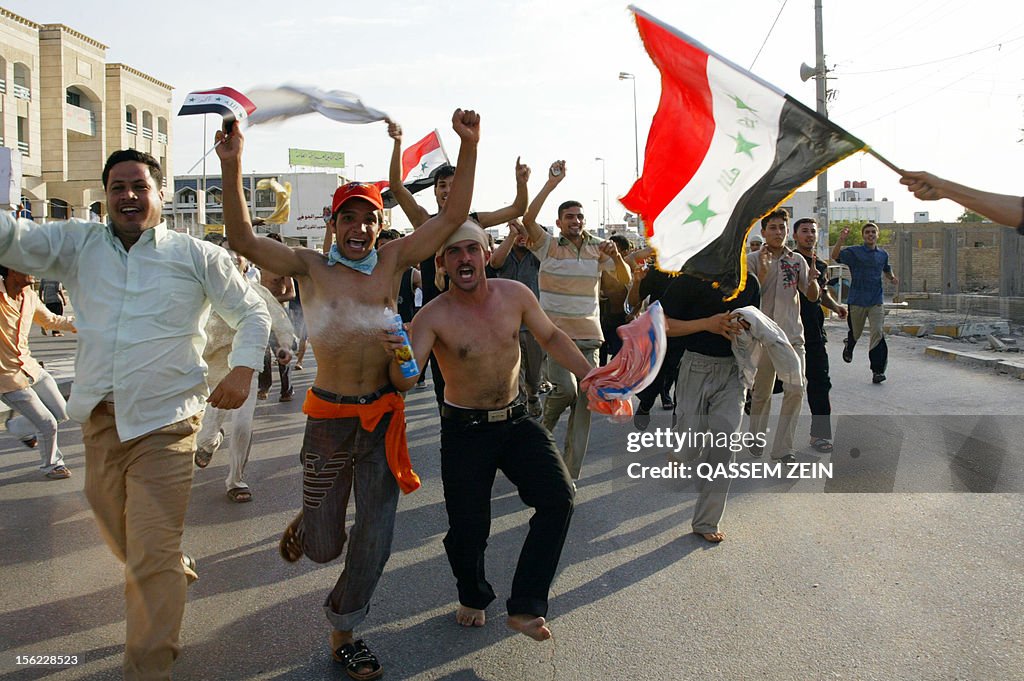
{"points": [[925, 582]]}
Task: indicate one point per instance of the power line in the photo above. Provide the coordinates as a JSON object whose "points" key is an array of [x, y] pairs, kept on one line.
{"points": [[751, 67], [937, 61]]}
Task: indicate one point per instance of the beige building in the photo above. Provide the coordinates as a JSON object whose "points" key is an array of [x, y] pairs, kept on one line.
{"points": [[65, 109]]}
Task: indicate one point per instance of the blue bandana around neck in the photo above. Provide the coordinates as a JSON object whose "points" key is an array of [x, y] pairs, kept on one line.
{"points": [[364, 266]]}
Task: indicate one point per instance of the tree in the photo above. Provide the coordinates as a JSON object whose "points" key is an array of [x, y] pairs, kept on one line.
{"points": [[970, 216]]}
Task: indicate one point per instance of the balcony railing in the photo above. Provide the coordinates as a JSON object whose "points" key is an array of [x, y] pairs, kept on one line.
{"points": [[23, 148], [22, 92], [161, 137], [3, 87], [131, 128], [147, 133]]}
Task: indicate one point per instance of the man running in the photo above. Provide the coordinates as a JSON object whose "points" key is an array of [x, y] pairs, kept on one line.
{"points": [[473, 330], [355, 437], [867, 263]]}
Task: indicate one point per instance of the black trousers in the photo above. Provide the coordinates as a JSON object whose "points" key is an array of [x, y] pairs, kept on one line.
{"points": [[818, 387], [524, 451], [266, 378], [664, 382]]}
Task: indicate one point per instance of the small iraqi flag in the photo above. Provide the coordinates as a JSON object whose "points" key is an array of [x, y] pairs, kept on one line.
{"points": [[420, 163], [725, 148], [228, 102]]}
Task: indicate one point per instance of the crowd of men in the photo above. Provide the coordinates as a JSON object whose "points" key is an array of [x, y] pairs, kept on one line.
{"points": [[495, 323]]}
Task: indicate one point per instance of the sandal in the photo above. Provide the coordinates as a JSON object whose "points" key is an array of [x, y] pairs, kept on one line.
{"points": [[59, 473], [203, 457], [290, 545], [239, 495], [822, 445], [356, 656]]}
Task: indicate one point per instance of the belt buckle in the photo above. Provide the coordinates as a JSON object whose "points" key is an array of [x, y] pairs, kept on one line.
{"points": [[497, 416]]}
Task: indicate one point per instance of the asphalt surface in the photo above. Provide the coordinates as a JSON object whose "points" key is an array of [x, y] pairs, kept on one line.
{"points": [[905, 565]]}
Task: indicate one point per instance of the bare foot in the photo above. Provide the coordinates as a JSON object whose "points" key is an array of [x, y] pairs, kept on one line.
{"points": [[470, 617], [529, 625], [713, 537]]}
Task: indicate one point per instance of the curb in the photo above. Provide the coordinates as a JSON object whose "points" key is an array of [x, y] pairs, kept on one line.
{"points": [[1013, 368]]}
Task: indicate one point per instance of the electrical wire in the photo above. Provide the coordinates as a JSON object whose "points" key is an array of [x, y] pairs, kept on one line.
{"points": [[937, 61], [751, 67]]}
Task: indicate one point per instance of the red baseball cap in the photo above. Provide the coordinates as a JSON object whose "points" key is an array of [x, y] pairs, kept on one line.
{"points": [[357, 190]]}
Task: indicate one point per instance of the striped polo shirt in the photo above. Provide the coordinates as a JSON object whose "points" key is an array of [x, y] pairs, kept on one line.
{"points": [[569, 282]]}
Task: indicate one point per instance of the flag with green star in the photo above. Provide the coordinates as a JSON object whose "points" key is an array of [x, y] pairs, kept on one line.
{"points": [[725, 148]]}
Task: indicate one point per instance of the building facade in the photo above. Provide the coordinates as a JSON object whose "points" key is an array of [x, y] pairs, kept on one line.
{"points": [[65, 109]]}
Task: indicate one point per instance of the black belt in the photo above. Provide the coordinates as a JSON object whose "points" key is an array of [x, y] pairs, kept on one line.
{"points": [[512, 412], [356, 399]]}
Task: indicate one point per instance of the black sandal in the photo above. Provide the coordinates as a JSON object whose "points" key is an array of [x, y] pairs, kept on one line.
{"points": [[822, 445], [355, 656]]}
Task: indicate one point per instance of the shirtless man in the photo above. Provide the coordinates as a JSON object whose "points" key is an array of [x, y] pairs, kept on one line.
{"points": [[418, 215], [353, 406], [473, 330]]}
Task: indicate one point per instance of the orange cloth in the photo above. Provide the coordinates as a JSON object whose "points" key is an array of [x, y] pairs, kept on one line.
{"points": [[396, 447]]}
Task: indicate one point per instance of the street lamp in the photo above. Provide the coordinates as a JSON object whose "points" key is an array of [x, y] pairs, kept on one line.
{"points": [[604, 194], [636, 135]]}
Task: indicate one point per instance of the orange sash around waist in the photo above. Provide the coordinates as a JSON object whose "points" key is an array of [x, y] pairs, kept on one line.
{"points": [[396, 447]]}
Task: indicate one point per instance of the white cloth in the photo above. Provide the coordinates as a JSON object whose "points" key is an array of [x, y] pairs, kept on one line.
{"points": [[764, 334], [141, 314], [286, 101]]}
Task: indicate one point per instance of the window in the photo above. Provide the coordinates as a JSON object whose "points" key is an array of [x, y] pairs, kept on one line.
{"points": [[59, 210], [73, 98]]}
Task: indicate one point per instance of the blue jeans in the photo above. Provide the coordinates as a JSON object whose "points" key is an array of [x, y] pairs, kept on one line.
{"points": [[337, 456], [37, 410]]}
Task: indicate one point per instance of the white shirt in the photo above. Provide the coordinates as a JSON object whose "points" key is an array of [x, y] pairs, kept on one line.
{"points": [[141, 314]]}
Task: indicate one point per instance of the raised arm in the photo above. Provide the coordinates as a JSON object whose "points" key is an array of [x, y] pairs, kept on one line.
{"points": [[812, 289], [500, 254], [518, 206], [1004, 209], [265, 252], [428, 238], [621, 272], [416, 213], [556, 173], [839, 244], [328, 237]]}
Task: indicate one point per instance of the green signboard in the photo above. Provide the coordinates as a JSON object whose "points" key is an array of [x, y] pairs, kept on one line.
{"points": [[317, 159]]}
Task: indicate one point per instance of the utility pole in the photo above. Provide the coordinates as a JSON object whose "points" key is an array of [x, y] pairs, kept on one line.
{"points": [[820, 86]]}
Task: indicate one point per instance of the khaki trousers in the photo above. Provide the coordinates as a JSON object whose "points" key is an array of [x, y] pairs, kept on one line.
{"points": [[566, 394], [139, 491], [792, 401]]}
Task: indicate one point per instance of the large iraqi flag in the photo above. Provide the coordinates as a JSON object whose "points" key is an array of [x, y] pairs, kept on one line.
{"points": [[725, 148]]}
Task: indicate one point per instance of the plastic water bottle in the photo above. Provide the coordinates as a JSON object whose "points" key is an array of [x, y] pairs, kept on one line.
{"points": [[406, 358]]}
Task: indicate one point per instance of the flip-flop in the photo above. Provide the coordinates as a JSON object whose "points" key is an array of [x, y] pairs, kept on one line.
{"points": [[355, 656], [239, 495], [822, 445], [710, 536]]}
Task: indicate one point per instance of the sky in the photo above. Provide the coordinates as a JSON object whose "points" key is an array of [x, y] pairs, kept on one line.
{"points": [[936, 85]]}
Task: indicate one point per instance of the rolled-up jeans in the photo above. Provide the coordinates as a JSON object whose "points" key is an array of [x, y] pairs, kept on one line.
{"points": [[37, 411], [339, 457]]}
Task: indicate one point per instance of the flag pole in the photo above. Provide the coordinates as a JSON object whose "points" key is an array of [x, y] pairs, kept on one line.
{"points": [[886, 162]]}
